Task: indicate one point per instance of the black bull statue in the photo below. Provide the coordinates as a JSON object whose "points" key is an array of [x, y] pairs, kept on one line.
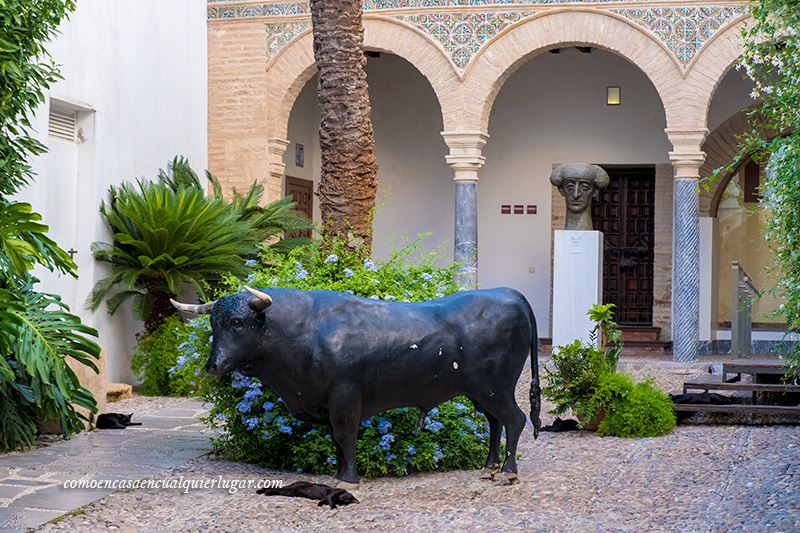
{"points": [[338, 359]]}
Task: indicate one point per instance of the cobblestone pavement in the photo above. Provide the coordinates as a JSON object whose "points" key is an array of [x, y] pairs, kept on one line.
{"points": [[704, 478]]}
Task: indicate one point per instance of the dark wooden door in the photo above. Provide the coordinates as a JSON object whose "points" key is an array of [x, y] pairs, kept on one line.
{"points": [[302, 192], [624, 212]]}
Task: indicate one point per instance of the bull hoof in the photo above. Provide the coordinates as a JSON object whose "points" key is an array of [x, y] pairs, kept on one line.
{"points": [[488, 473], [510, 478]]}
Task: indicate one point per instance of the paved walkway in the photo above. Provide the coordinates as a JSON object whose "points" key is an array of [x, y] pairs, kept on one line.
{"points": [[32, 483]]}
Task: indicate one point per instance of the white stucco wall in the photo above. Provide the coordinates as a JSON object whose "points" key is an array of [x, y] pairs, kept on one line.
{"points": [[139, 68]]}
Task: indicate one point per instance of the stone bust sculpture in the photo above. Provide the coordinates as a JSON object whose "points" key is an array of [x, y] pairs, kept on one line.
{"points": [[578, 183]]}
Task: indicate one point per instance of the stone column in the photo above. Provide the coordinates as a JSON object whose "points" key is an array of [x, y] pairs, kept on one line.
{"points": [[465, 159], [275, 148], [686, 159]]}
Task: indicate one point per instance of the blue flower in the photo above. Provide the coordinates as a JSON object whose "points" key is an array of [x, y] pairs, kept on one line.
{"points": [[244, 406], [384, 426], [348, 273], [255, 383], [303, 274], [298, 265], [434, 426], [285, 429], [196, 371], [250, 422], [220, 416], [389, 298], [386, 441], [470, 424], [411, 450], [268, 406], [369, 264], [426, 276], [374, 297], [348, 291], [250, 262], [331, 460], [367, 423], [460, 406], [390, 457], [333, 258], [437, 454], [434, 412], [252, 394]]}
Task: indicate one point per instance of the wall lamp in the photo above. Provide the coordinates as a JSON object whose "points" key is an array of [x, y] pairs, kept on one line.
{"points": [[612, 96]]}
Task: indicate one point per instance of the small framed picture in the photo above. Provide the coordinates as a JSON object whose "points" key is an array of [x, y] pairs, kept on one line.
{"points": [[299, 155]]}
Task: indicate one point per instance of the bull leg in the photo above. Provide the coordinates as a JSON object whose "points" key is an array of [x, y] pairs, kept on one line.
{"points": [[492, 465], [345, 416], [504, 408], [514, 421]]}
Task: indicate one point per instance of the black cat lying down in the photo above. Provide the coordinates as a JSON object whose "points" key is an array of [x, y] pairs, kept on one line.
{"points": [[313, 491], [115, 421]]}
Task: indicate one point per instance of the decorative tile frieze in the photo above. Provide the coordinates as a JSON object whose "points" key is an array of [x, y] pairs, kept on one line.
{"points": [[463, 34], [257, 10], [279, 35], [682, 30]]}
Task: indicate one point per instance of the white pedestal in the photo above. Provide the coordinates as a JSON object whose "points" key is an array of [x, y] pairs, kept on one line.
{"points": [[577, 284]]}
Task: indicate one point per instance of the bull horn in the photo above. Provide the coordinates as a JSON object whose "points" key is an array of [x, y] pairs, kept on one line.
{"points": [[260, 295], [201, 309]]}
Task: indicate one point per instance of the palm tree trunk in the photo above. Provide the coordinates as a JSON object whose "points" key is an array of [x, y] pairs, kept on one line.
{"points": [[348, 182]]}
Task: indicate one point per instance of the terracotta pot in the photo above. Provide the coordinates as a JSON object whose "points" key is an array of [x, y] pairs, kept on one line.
{"points": [[593, 423]]}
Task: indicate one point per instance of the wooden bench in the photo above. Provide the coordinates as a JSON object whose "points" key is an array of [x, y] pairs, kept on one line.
{"points": [[731, 379]]}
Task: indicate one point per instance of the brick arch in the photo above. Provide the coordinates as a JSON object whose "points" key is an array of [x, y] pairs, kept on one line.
{"points": [[290, 70], [714, 59], [504, 55]]}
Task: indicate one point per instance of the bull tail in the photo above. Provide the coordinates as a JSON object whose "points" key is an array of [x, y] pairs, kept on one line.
{"points": [[536, 391]]}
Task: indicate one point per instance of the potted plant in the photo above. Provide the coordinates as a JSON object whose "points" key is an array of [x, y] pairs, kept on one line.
{"points": [[574, 371], [584, 378]]}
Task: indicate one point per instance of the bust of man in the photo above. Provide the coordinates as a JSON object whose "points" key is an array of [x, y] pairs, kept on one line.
{"points": [[578, 183]]}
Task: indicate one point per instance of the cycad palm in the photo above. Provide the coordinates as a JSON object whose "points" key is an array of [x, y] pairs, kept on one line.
{"points": [[163, 240]]}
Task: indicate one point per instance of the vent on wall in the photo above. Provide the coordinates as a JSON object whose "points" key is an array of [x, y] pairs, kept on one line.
{"points": [[62, 125]]}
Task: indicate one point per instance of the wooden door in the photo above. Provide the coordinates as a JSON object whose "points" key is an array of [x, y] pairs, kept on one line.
{"points": [[624, 212], [302, 192]]}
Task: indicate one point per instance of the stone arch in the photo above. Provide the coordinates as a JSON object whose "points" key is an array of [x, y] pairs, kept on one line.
{"points": [[294, 66], [714, 59], [495, 64]]}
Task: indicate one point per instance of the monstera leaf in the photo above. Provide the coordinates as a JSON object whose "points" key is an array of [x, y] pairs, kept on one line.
{"points": [[37, 335]]}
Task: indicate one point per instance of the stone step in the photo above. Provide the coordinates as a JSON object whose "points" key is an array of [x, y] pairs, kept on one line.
{"points": [[118, 391]]}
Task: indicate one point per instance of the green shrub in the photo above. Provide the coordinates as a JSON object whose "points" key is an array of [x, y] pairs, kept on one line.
{"points": [[634, 410], [155, 353], [257, 426]]}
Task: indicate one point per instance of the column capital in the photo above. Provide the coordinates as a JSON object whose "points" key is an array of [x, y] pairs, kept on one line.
{"points": [[465, 153], [686, 156], [276, 148]]}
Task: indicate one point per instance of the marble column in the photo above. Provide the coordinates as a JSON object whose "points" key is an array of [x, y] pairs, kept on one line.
{"points": [[686, 159], [465, 159]]}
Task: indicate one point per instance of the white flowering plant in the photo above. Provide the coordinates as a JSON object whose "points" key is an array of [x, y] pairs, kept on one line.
{"points": [[772, 61], [259, 429]]}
